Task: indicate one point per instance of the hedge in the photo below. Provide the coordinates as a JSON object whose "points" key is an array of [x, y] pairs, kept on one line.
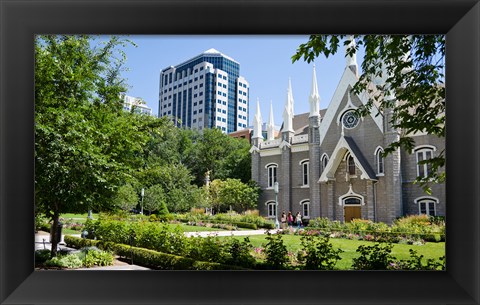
{"points": [[239, 224], [149, 258]]}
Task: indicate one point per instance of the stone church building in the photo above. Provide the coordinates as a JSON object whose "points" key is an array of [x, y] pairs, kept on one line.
{"points": [[328, 162]]}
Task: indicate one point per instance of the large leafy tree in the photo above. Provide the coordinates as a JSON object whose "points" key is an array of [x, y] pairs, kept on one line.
{"points": [[404, 73], [233, 193], [86, 146], [218, 154]]}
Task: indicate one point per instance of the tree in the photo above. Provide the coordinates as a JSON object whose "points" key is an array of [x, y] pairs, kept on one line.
{"points": [[404, 73], [155, 200], [126, 197], [220, 155], [233, 193], [86, 146]]}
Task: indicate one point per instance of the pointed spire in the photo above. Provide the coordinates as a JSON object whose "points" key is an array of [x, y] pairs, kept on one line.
{"points": [[314, 98], [290, 95], [288, 111], [351, 59], [257, 123], [271, 125]]}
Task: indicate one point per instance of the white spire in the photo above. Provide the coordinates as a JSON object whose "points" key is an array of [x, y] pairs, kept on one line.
{"points": [[288, 111], [290, 95], [271, 125], [257, 123], [314, 98], [351, 59]]}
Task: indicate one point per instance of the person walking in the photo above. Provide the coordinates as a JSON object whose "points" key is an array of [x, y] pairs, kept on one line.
{"points": [[290, 219], [283, 220], [298, 218]]}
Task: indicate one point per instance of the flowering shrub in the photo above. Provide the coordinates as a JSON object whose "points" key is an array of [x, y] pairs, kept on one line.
{"points": [[276, 252], [418, 228], [318, 253], [376, 257]]}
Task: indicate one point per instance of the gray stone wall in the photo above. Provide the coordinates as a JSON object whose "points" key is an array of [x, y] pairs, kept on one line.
{"points": [[409, 170]]}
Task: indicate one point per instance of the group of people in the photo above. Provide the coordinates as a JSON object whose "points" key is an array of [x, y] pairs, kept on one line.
{"points": [[291, 220]]}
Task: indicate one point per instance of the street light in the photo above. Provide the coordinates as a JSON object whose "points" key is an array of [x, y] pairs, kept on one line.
{"points": [[275, 189], [141, 206]]}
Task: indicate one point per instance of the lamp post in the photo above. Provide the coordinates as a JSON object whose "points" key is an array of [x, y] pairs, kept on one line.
{"points": [[275, 189], [141, 205]]}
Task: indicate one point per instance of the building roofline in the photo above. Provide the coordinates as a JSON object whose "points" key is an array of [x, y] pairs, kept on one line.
{"points": [[209, 52]]}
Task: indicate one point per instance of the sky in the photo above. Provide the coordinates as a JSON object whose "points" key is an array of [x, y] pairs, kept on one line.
{"points": [[265, 62]]}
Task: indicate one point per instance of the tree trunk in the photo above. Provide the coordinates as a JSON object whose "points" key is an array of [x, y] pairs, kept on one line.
{"points": [[55, 238]]}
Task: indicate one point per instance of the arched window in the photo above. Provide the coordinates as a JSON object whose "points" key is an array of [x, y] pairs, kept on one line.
{"points": [[379, 164], [424, 153], [350, 165], [324, 162], [427, 205], [304, 165], [271, 174], [305, 206], [271, 209], [349, 201]]}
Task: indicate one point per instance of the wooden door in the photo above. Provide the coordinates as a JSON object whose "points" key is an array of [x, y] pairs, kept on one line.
{"points": [[351, 213]]}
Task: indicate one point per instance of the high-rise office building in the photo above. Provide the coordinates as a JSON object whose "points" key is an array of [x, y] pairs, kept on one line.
{"points": [[137, 104], [205, 91]]}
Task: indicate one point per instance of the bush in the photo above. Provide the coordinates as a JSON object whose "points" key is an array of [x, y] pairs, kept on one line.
{"points": [[209, 249], [92, 256], [42, 255], [415, 263], [239, 253], [318, 253], [376, 257], [65, 261], [149, 258], [276, 252]]}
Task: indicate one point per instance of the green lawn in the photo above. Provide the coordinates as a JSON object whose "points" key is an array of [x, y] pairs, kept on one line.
{"points": [[400, 251]]}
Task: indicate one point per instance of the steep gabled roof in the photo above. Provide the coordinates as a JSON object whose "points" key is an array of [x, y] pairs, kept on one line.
{"points": [[347, 81], [344, 145]]}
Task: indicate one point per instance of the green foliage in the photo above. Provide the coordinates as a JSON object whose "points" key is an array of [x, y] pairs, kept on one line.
{"points": [[415, 228], [155, 200], [376, 257], [240, 253], [416, 263], [86, 146], [409, 69], [42, 255], [126, 197], [149, 258], [209, 249], [232, 193], [70, 261], [92, 256], [318, 253], [276, 252], [219, 154]]}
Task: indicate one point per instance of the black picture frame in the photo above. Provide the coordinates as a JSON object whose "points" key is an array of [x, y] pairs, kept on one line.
{"points": [[21, 20]]}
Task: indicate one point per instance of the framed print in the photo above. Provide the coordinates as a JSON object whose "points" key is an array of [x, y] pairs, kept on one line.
{"points": [[22, 20]]}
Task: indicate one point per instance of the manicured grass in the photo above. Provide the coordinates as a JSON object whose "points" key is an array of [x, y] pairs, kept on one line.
{"points": [[400, 251], [80, 218]]}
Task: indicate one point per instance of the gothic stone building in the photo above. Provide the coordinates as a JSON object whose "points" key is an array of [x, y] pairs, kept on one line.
{"points": [[328, 163]]}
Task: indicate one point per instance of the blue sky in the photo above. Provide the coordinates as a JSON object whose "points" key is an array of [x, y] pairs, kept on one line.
{"points": [[265, 61]]}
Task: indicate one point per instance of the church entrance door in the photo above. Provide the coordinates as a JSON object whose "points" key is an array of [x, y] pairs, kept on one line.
{"points": [[352, 213]]}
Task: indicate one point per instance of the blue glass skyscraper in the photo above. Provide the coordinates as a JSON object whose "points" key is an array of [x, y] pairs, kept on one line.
{"points": [[205, 91]]}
